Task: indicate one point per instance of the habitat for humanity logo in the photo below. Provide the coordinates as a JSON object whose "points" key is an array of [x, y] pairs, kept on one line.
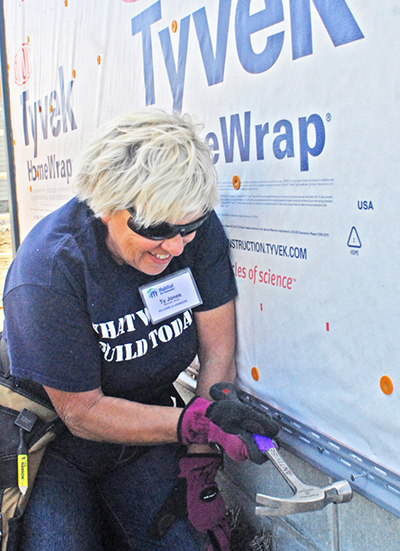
{"points": [[167, 289], [152, 293]]}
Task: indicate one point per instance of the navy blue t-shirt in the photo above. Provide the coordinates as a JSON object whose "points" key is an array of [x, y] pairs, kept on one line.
{"points": [[75, 320]]}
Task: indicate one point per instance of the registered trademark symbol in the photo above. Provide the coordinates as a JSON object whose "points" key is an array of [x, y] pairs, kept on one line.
{"points": [[328, 117]]}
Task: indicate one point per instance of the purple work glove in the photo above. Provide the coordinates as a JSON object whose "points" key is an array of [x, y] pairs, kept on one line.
{"points": [[196, 496], [205, 506], [227, 422], [195, 428]]}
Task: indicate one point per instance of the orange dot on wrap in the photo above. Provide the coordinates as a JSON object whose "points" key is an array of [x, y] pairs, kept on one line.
{"points": [[236, 182], [386, 385], [255, 373]]}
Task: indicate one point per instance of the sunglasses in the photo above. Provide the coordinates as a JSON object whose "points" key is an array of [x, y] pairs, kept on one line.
{"points": [[158, 232]]}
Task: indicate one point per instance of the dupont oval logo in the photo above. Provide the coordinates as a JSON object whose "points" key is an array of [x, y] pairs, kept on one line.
{"points": [[22, 64]]}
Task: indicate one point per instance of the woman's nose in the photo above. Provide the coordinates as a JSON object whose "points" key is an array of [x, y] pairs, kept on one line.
{"points": [[176, 244]]}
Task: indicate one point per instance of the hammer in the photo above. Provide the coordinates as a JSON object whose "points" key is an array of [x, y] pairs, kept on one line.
{"points": [[306, 498]]}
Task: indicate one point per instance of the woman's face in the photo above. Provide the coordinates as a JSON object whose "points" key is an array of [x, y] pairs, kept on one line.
{"points": [[146, 255]]}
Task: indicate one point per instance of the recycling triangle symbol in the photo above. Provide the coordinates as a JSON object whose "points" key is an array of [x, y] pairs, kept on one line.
{"points": [[354, 240]]}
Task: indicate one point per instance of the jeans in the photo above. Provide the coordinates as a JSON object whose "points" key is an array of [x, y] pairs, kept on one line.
{"points": [[70, 504]]}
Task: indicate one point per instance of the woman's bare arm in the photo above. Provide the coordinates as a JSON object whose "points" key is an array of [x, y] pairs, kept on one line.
{"points": [[93, 416]]}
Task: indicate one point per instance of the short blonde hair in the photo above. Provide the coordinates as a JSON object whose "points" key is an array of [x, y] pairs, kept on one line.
{"points": [[152, 161]]}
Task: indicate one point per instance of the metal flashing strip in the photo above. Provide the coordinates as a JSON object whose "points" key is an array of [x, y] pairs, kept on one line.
{"points": [[372, 481]]}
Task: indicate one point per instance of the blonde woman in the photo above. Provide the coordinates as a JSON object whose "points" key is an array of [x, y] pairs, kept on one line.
{"points": [[79, 325]]}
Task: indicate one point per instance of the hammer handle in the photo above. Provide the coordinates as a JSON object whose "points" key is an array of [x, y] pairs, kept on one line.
{"points": [[269, 449]]}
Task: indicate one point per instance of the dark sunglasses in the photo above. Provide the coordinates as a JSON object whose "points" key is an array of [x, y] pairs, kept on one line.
{"points": [[158, 232]]}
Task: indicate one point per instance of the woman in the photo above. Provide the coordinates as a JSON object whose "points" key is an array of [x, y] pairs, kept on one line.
{"points": [[79, 323]]}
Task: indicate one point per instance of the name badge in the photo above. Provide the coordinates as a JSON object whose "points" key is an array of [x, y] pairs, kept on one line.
{"points": [[170, 295]]}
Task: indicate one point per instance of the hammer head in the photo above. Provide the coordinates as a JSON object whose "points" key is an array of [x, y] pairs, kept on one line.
{"points": [[306, 499]]}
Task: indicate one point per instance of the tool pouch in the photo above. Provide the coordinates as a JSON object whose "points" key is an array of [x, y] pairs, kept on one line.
{"points": [[14, 397]]}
